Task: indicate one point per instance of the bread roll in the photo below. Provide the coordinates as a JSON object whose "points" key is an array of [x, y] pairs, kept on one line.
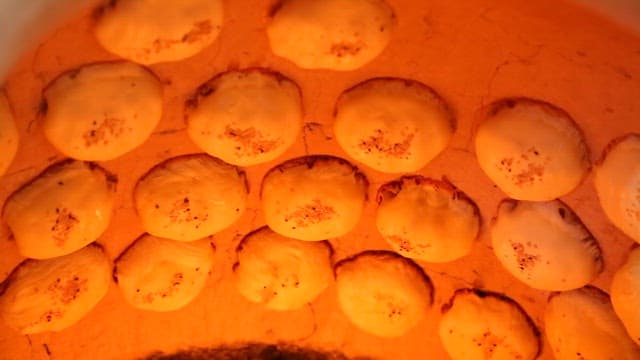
{"points": [[280, 272], [163, 275], [101, 111], [427, 219], [53, 294], [531, 149], [66, 207], [151, 31], [392, 125], [246, 117], [545, 245], [483, 325], [313, 198], [581, 324], [617, 182], [625, 294], [330, 34], [382, 293], [190, 197]]}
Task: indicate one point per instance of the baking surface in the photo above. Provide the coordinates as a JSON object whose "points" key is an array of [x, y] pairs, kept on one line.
{"points": [[470, 52]]}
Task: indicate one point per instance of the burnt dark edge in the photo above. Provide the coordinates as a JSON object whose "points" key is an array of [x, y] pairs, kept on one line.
{"points": [[613, 144]]}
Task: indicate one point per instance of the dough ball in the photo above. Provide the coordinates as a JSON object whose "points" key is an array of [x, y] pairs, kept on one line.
{"points": [[280, 272], [8, 134], [152, 31], [392, 125], [545, 245], [190, 197], [53, 294], [483, 325], [382, 293], [427, 219], [617, 182], [531, 149], [66, 207], [330, 34], [581, 324], [163, 275], [313, 198], [246, 117], [625, 294], [101, 111]]}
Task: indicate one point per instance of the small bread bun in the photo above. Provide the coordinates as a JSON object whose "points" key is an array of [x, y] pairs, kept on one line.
{"points": [[190, 197], [483, 325], [617, 182], [625, 294], [246, 117], [581, 324], [150, 31], [531, 150], [279, 272], [66, 207], [545, 245], [163, 275], [392, 125], [427, 219], [330, 34], [313, 198], [53, 294], [383, 293], [101, 111]]}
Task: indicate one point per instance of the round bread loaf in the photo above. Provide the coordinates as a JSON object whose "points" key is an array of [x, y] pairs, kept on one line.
{"points": [[330, 34], [625, 294], [383, 293], [427, 219], [392, 125], [163, 275], [66, 207], [190, 197], [581, 324], [53, 294], [531, 149], [482, 325], [151, 31], [246, 117], [545, 245], [313, 198], [617, 182], [101, 111], [280, 272]]}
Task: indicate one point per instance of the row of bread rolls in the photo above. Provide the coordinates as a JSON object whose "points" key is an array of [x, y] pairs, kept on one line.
{"points": [[101, 111], [380, 292], [531, 150], [329, 34], [313, 198]]}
